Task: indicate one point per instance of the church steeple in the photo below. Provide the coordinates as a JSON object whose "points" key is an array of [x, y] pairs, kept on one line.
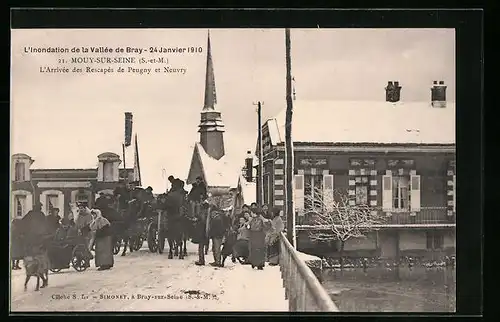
{"points": [[211, 125], [210, 93]]}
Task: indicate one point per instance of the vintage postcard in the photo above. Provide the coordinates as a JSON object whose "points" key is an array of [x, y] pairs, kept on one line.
{"points": [[154, 170]]}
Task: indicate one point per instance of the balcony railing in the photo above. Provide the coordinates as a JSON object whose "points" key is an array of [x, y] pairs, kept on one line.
{"points": [[302, 289], [427, 216]]}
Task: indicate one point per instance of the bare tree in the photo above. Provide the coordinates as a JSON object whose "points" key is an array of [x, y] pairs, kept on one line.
{"points": [[339, 218]]}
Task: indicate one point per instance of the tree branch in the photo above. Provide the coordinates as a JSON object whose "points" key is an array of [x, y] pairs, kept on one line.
{"points": [[342, 219]]}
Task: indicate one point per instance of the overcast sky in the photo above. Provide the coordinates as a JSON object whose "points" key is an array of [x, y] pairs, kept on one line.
{"points": [[66, 120]]}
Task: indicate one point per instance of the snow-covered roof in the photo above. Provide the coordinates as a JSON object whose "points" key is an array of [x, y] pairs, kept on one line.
{"points": [[219, 173], [367, 122], [248, 190]]}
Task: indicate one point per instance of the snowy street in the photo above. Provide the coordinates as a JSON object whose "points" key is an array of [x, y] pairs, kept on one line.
{"points": [[142, 281]]}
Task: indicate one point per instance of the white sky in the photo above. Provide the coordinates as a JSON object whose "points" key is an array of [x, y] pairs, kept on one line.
{"points": [[66, 120]]}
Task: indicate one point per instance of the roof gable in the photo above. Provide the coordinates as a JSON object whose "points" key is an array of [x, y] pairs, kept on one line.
{"points": [[367, 122], [217, 173]]}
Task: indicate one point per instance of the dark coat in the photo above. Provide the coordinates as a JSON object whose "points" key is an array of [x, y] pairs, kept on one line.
{"points": [[218, 225], [174, 202], [53, 223], [199, 233], [17, 246], [103, 232], [35, 230], [198, 192]]}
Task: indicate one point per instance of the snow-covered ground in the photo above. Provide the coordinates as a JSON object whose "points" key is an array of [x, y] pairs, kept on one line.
{"points": [[142, 281]]}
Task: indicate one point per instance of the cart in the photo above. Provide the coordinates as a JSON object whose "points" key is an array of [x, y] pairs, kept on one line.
{"points": [[157, 230], [69, 253]]}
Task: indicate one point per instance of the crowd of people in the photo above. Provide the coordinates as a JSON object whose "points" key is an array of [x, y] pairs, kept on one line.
{"points": [[249, 236]]}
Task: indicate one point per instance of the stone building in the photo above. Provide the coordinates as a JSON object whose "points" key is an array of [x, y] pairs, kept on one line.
{"points": [[397, 157], [57, 188]]}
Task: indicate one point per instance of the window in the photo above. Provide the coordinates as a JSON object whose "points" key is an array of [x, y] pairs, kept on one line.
{"points": [[19, 172], [312, 191], [108, 171], [400, 195], [82, 198], [435, 240], [361, 195], [19, 205], [52, 201]]}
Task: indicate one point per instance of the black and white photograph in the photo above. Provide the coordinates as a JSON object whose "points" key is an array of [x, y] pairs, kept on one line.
{"points": [[245, 170]]}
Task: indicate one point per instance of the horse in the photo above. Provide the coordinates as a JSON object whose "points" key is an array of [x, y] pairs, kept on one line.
{"points": [[172, 206]]}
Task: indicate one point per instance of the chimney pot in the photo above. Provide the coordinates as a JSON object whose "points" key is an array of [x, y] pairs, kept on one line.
{"points": [[392, 92], [438, 94]]}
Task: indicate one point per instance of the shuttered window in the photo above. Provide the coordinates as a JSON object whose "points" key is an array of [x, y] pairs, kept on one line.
{"points": [[19, 174], [400, 193], [52, 202], [108, 171], [387, 193], [19, 205], [299, 192], [327, 189], [415, 193]]}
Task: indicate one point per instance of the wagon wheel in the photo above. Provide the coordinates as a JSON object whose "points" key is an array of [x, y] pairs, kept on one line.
{"points": [[161, 243], [78, 261], [55, 270], [139, 243], [116, 246], [152, 237]]}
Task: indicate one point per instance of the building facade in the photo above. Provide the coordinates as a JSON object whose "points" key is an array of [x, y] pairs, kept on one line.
{"points": [[396, 157], [58, 188]]}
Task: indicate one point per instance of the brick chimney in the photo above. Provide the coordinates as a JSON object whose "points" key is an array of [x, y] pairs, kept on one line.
{"points": [[393, 92], [249, 166], [438, 94]]}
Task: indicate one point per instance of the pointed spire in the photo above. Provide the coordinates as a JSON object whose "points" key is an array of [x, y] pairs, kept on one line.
{"points": [[210, 94]]}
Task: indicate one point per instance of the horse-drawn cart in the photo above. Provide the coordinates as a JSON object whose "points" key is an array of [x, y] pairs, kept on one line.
{"points": [[157, 233], [69, 252]]}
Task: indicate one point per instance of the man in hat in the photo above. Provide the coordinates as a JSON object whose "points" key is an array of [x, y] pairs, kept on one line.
{"points": [[217, 225], [200, 231]]}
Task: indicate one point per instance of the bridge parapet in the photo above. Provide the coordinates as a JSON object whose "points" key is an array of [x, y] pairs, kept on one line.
{"points": [[302, 289]]}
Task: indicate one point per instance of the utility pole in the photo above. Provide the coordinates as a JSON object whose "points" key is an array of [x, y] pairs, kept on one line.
{"points": [[289, 173], [260, 197]]}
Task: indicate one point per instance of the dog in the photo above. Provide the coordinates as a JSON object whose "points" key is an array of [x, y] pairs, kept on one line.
{"points": [[35, 266]]}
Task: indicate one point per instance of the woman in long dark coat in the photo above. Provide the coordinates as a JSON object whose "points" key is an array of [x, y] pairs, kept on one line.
{"points": [[17, 246], [103, 241], [257, 242], [272, 239]]}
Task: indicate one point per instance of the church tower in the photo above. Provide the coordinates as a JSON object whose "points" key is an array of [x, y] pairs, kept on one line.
{"points": [[211, 125]]}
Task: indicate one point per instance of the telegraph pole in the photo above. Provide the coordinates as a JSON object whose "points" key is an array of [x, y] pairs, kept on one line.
{"points": [[261, 154], [289, 209]]}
